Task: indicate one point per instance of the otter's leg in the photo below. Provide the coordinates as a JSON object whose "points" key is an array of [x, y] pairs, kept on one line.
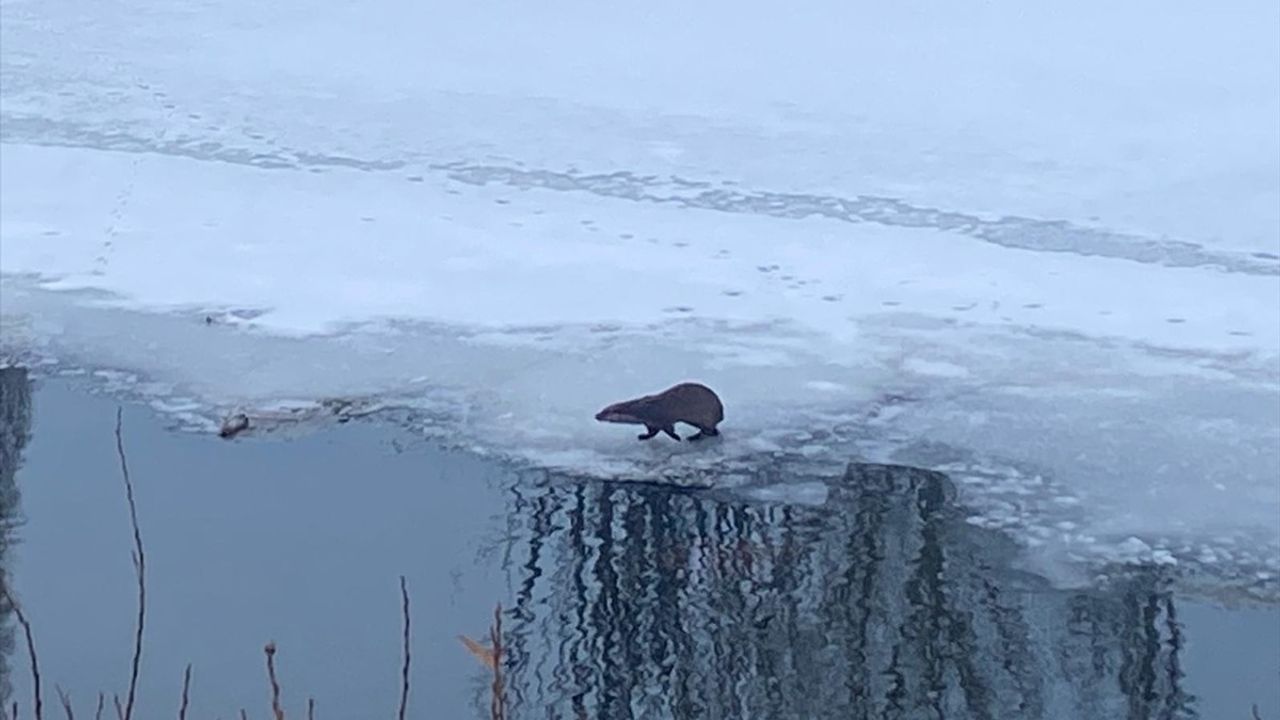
{"points": [[652, 431], [704, 432], [671, 431]]}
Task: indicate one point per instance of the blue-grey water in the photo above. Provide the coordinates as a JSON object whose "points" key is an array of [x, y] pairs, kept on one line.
{"points": [[619, 600]]}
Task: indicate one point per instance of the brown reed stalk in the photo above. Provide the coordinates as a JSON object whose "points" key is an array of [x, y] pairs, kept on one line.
{"points": [[270, 651], [66, 702], [186, 687], [497, 702], [404, 668], [139, 568], [31, 651]]}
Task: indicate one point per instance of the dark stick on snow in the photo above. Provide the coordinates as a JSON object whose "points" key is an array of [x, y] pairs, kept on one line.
{"points": [[186, 686], [270, 650], [31, 652], [404, 669], [243, 715], [139, 567], [66, 702], [119, 708], [97, 714], [311, 709]]}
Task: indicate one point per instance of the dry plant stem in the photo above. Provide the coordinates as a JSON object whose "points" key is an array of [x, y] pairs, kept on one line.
{"points": [[404, 669], [97, 714], [276, 710], [186, 687], [66, 702], [31, 652], [139, 567], [119, 708], [497, 703], [243, 715], [311, 709]]}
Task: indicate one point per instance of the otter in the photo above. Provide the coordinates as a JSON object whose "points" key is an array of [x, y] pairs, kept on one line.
{"points": [[690, 403]]}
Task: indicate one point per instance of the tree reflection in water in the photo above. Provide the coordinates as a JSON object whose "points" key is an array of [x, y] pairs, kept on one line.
{"points": [[15, 430], [639, 601]]}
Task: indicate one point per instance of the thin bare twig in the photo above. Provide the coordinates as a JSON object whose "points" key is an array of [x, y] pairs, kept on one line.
{"points": [[119, 708], [66, 702], [31, 651], [1256, 715], [186, 686], [243, 715], [311, 709], [139, 566], [97, 714], [270, 650], [497, 703], [404, 670]]}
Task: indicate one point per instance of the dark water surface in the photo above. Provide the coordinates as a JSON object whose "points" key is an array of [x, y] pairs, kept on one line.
{"points": [[620, 600]]}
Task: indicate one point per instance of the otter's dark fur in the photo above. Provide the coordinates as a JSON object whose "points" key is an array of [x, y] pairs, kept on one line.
{"points": [[690, 403]]}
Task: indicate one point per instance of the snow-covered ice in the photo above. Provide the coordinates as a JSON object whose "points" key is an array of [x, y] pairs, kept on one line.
{"points": [[1028, 247]]}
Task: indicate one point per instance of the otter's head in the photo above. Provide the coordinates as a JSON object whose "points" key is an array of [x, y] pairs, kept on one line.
{"points": [[623, 412]]}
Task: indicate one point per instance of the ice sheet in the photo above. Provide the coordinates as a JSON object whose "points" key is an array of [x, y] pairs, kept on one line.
{"points": [[1032, 248]]}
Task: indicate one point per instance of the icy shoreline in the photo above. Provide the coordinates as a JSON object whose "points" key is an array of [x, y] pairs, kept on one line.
{"points": [[1062, 508]]}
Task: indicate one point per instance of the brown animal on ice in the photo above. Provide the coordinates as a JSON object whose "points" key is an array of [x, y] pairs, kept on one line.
{"points": [[690, 403]]}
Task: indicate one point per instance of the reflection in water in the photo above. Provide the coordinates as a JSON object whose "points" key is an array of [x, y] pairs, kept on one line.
{"points": [[642, 601], [15, 429]]}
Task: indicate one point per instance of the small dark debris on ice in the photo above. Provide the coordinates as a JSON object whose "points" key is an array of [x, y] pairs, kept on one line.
{"points": [[234, 425]]}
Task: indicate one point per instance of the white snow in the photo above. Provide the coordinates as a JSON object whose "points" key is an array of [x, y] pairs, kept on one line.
{"points": [[1045, 238]]}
